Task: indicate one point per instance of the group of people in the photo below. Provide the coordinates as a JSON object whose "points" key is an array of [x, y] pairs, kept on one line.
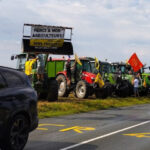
{"points": [[33, 59]]}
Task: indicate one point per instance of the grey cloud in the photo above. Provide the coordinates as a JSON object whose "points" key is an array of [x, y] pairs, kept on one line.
{"points": [[104, 28]]}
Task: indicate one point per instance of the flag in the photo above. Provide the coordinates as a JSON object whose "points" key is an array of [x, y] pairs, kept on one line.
{"points": [[99, 80], [78, 60], [135, 63], [96, 63], [144, 83]]}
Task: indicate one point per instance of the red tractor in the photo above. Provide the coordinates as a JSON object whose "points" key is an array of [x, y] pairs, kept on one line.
{"points": [[82, 82]]}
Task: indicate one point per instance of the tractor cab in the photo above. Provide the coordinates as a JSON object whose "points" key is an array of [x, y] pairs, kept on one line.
{"points": [[85, 71], [21, 59], [121, 68]]}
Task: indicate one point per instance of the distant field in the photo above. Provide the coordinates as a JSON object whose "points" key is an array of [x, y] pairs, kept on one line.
{"points": [[71, 105]]}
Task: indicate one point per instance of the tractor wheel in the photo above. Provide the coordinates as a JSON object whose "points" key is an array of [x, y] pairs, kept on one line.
{"points": [[143, 91], [62, 86], [122, 90], [42, 95], [101, 93], [82, 89], [130, 89], [109, 88], [52, 90]]}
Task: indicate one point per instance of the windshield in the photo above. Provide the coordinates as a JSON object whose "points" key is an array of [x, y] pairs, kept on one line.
{"points": [[86, 66], [105, 68], [121, 69], [21, 59], [94, 70], [118, 69]]}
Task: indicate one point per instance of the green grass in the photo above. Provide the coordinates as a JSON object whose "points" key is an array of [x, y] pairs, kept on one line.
{"points": [[66, 106]]}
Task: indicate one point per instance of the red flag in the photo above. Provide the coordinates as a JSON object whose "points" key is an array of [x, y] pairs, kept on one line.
{"points": [[135, 63]]}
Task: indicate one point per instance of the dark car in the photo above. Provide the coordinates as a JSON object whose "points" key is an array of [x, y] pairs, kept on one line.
{"points": [[18, 109]]}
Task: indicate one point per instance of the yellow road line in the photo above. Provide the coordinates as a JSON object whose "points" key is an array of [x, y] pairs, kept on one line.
{"points": [[139, 135], [77, 129], [48, 124]]}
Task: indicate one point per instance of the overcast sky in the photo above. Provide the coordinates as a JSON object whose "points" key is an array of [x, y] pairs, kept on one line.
{"points": [[108, 29]]}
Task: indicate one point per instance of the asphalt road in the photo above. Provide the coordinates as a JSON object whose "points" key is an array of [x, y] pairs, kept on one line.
{"points": [[125, 128]]}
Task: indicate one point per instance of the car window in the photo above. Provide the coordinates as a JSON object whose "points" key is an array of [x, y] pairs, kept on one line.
{"points": [[12, 79], [2, 83]]}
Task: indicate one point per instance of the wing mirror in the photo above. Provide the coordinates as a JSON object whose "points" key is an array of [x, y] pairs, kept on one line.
{"points": [[12, 57]]}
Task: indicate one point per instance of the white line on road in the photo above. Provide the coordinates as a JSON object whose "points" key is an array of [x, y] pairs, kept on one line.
{"points": [[103, 136]]}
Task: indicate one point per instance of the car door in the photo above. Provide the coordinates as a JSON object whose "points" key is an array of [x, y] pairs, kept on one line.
{"points": [[3, 88], [4, 106], [16, 86]]}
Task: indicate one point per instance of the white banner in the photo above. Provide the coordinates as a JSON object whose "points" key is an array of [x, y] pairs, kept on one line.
{"points": [[39, 32]]}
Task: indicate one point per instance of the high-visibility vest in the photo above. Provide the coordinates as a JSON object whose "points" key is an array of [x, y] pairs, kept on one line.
{"points": [[28, 66]]}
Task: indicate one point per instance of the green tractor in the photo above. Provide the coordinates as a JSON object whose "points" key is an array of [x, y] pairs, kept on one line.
{"points": [[116, 82], [48, 89], [145, 81], [121, 76]]}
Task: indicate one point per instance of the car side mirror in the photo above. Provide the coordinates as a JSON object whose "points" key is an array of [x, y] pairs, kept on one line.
{"points": [[12, 58]]}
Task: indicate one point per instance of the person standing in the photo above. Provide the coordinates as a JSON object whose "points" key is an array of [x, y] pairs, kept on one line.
{"points": [[28, 66], [136, 87], [68, 70], [40, 67]]}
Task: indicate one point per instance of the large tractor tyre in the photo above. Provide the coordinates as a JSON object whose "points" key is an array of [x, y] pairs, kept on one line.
{"points": [[52, 94], [62, 86], [143, 91], [17, 134], [122, 90], [131, 91], [109, 89], [82, 89], [42, 95], [129, 86], [101, 93]]}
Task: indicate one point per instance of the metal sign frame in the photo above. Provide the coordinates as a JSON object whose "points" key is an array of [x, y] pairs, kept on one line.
{"points": [[38, 25]]}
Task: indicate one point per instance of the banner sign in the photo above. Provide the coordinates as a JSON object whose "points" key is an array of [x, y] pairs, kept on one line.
{"points": [[47, 36], [66, 49]]}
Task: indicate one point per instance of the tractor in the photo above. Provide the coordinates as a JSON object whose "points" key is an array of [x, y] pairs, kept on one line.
{"points": [[145, 81], [116, 82], [122, 76], [48, 89], [82, 82]]}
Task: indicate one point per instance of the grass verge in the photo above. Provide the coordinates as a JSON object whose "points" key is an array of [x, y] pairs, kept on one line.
{"points": [[66, 106]]}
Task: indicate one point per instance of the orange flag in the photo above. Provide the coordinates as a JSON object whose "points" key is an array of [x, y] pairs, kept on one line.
{"points": [[135, 63]]}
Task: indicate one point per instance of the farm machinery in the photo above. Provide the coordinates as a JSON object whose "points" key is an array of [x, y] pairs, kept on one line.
{"points": [[120, 77], [83, 81], [45, 40]]}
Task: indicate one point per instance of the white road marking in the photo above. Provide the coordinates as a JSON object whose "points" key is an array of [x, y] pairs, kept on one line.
{"points": [[103, 136]]}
